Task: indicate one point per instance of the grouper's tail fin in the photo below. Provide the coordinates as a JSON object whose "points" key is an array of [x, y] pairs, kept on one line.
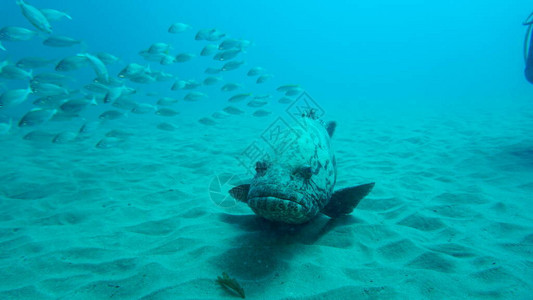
{"points": [[344, 201]]}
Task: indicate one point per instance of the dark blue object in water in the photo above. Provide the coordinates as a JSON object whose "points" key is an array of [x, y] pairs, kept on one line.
{"points": [[528, 53]]}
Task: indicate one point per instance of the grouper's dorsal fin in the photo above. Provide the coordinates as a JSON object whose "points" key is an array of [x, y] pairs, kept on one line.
{"points": [[330, 128], [240, 192], [344, 201]]}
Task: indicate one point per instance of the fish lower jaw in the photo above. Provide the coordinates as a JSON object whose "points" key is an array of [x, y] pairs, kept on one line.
{"points": [[279, 210], [276, 199]]}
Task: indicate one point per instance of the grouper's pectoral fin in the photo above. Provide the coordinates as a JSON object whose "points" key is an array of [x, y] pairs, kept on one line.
{"points": [[240, 192], [344, 201], [330, 128]]}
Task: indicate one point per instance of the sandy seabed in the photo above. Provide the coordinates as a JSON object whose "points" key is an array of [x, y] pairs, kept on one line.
{"points": [[450, 216]]}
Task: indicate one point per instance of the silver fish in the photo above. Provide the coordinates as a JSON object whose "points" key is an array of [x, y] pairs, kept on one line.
{"points": [[14, 97], [194, 96], [5, 125], [255, 71], [97, 88], [228, 44], [285, 88], [113, 82], [185, 85], [54, 14], [34, 62], [167, 60], [152, 56], [261, 113], [183, 57], [36, 117], [13, 72], [72, 63], [110, 115], [212, 80], [208, 50], [232, 65], [132, 70], [116, 92], [234, 43], [257, 103], [125, 103], [61, 116], [75, 106], [142, 78], [285, 100], [178, 28], [212, 70], [47, 89], [294, 91], [162, 76], [50, 77], [228, 87], [263, 78], [232, 110], [109, 142], [35, 16], [60, 41], [215, 35], [64, 137], [89, 127], [210, 34], [117, 133], [202, 34], [166, 112], [143, 108], [14, 34], [39, 136], [207, 121], [239, 97], [167, 101], [50, 101], [107, 58], [179, 85], [226, 55], [263, 96], [298, 182], [99, 67], [166, 126], [219, 115], [159, 48]]}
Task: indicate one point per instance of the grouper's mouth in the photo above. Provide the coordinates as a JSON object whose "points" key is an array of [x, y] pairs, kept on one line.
{"points": [[280, 207]]}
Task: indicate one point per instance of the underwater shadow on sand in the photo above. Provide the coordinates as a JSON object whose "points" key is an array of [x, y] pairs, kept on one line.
{"points": [[520, 156], [524, 154], [264, 248]]}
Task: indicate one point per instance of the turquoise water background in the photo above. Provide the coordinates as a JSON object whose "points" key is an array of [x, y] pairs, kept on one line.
{"points": [[398, 53], [432, 105]]}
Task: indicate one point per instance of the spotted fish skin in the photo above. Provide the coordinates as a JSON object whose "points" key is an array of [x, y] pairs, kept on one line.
{"points": [[294, 185], [297, 182]]}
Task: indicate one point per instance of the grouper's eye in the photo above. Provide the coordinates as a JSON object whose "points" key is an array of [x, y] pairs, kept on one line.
{"points": [[260, 167], [305, 171]]}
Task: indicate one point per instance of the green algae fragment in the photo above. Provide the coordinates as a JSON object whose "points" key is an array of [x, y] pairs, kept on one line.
{"points": [[230, 284]]}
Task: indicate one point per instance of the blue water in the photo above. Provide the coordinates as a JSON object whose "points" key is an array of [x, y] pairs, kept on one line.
{"points": [[445, 52], [363, 62]]}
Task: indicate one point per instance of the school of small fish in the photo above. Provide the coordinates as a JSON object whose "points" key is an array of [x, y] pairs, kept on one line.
{"points": [[57, 97]]}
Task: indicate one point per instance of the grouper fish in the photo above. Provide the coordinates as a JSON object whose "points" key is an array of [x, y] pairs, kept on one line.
{"points": [[297, 183]]}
